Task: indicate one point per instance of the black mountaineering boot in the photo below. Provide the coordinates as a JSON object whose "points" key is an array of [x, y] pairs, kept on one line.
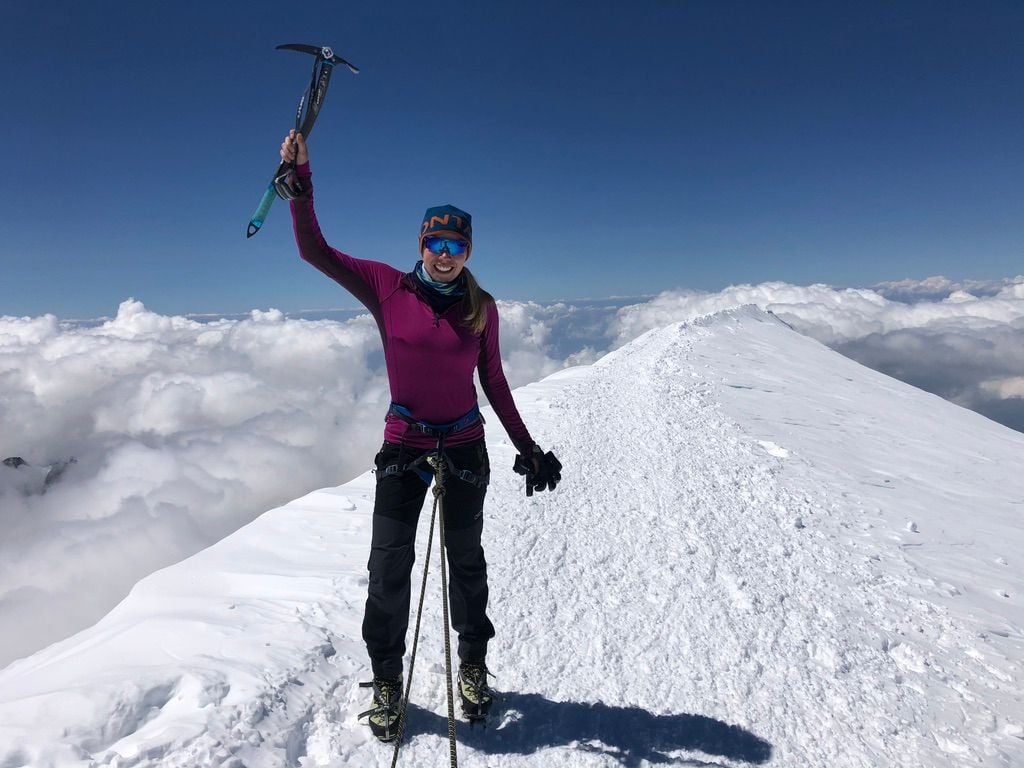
{"points": [[476, 693], [387, 707]]}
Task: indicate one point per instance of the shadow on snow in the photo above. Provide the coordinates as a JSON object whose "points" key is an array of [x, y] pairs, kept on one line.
{"points": [[524, 723]]}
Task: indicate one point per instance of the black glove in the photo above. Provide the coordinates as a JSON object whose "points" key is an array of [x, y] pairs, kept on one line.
{"points": [[542, 470]]}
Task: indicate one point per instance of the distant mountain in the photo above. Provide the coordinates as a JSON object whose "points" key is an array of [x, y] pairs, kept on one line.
{"points": [[30, 480]]}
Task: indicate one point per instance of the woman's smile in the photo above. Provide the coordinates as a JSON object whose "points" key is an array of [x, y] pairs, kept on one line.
{"points": [[444, 267]]}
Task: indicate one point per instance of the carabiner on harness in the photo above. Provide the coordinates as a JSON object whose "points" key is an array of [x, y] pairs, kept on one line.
{"points": [[426, 474]]}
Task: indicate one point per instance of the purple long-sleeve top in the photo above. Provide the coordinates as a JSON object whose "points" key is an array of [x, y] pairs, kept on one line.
{"points": [[430, 356]]}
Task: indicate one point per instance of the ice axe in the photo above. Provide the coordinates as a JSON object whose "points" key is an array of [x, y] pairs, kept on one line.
{"points": [[323, 64]]}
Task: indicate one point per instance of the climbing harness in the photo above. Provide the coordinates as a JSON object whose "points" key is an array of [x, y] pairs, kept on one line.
{"points": [[433, 429], [422, 467], [440, 431]]}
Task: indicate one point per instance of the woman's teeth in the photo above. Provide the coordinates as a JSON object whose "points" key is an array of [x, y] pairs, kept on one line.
{"points": [[439, 268]]}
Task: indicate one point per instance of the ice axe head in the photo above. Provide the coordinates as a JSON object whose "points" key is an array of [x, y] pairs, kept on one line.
{"points": [[322, 53]]}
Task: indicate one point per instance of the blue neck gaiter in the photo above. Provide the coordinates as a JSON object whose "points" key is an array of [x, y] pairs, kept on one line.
{"points": [[440, 295]]}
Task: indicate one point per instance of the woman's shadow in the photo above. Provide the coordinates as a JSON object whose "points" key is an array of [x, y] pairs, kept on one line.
{"points": [[524, 723]]}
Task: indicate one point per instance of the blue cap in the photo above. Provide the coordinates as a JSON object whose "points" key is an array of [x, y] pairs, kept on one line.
{"points": [[447, 220]]}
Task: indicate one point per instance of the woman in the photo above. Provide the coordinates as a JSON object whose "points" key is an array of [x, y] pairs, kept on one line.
{"points": [[437, 326]]}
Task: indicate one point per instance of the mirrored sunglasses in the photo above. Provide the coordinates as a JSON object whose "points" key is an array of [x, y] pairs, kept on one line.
{"points": [[437, 245]]}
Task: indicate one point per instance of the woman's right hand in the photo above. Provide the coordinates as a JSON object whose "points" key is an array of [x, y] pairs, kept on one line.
{"points": [[293, 149]]}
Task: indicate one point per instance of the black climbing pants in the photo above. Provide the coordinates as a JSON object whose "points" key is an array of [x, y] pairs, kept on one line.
{"points": [[396, 511]]}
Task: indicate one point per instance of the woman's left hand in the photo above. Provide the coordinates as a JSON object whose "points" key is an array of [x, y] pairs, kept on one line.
{"points": [[542, 470]]}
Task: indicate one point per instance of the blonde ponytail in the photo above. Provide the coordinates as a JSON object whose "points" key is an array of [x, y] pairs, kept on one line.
{"points": [[478, 300]]}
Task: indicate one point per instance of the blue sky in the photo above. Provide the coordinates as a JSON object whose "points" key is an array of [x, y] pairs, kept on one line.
{"points": [[602, 149]]}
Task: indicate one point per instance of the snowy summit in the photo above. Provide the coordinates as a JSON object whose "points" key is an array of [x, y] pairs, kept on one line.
{"points": [[761, 553]]}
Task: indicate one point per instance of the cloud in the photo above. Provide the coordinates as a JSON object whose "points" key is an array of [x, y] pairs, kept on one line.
{"points": [[1005, 389], [537, 339], [938, 288]]}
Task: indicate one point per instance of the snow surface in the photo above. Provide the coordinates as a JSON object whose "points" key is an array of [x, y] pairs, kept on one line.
{"points": [[761, 553]]}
